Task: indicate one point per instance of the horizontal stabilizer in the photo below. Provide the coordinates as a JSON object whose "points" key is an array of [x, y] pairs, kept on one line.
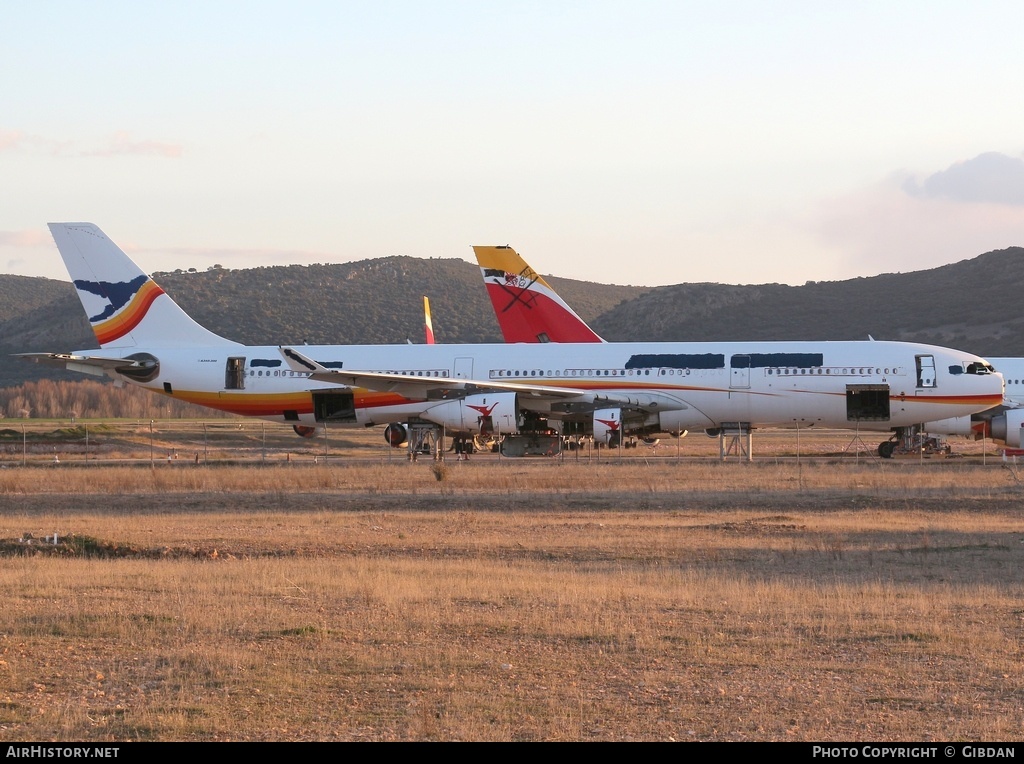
{"points": [[96, 365]]}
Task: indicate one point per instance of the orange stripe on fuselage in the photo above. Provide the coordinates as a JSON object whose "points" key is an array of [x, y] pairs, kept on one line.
{"points": [[275, 404], [130, 316]]}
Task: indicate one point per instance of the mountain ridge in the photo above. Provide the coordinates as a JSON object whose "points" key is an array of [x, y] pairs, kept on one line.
{"points": [[971, 305]]}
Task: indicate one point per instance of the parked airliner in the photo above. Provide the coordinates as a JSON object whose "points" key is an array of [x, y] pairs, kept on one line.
{"points": [[1005, 423], [147, 340], [529, 310]]}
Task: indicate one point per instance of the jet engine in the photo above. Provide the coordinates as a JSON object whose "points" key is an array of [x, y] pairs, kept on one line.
{"points": [[608, 427], [145, 367], [1007, 427], [965, 426], [396, 435], [481, 414]]}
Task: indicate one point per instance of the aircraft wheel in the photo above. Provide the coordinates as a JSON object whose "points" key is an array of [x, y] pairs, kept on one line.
{"points": [[885, 449]]}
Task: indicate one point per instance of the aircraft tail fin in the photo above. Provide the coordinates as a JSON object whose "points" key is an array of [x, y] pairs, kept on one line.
{"points": [[527, 307], [126, 308], [428, 325]]}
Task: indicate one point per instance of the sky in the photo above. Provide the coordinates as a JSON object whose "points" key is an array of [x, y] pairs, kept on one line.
{"points": [[638, 142]]}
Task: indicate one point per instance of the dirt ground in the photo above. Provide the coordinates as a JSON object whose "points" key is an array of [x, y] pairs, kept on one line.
{"points": [[829, 599]]}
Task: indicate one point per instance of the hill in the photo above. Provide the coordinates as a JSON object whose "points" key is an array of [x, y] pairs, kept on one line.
{"points": [[368, 302], [973, 305]]}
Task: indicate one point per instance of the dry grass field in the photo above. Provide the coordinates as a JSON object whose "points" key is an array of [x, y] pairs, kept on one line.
{"points": [[275, 593]]}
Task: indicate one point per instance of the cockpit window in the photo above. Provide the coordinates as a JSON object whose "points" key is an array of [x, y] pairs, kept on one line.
{"points": [[979, 368], [956, 369]]}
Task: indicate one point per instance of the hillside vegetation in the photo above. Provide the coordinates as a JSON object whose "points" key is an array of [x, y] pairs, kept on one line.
{"points": [[369, 302], [972, 305]]}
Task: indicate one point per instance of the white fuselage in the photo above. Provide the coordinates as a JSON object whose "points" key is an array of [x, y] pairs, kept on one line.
{"points": [[1012, 370], [697, 385]]}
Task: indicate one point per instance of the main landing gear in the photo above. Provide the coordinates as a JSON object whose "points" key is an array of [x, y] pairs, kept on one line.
{"points": [[912, 441]]}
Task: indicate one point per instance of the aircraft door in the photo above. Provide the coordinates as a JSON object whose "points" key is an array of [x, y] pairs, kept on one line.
{"points": [[740, 375], [925, 370], [867, 403], [463, 368], [234, 374], [333, 406]]}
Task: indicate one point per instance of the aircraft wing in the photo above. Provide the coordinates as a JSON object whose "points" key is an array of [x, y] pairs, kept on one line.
{"points": [[563, 398], [86, 364]]}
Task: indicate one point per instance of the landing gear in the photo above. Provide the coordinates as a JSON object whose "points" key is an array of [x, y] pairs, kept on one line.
{"points": [[913, 441], [535, 438]]}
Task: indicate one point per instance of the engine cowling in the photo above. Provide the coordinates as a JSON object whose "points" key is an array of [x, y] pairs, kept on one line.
{"points": [[1007, 427], [608, 427], [146, 370], [964, 426], [482, 414], [396, 435]]}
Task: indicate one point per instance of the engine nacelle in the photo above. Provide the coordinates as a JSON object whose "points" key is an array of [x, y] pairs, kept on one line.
{"points": [[396, 435], [483, 414], [608, 427], [1006, 427], [147, 367], [965, 426]]}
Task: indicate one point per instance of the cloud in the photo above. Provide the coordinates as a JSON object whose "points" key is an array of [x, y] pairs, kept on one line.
{"points": [[122, 144], [9, 139], [26, 238], [884, 227], [18, 140], [119, 143], [988, 178]]}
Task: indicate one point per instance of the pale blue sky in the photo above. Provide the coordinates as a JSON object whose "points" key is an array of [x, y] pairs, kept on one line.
{"points": [[623, 142]]}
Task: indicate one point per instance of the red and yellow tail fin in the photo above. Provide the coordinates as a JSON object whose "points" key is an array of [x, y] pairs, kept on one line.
{"points": [[528, 309], [428, 325]]}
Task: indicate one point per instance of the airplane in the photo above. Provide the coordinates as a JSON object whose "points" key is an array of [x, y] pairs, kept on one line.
{"points": [[527, 307], [147, 340], [1003, 423], [1007, 423]]}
